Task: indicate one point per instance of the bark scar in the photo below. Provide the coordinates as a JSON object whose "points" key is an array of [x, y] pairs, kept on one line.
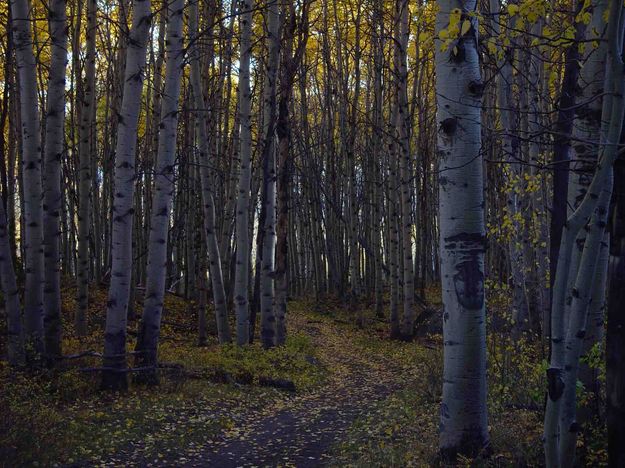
{"points": [[469, 277]]}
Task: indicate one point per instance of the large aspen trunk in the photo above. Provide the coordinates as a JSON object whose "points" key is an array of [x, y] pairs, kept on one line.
{"points": [[206, 183], [242, 272], [114, 376], [84, 185], [163, 191], [464, 428], [52, 196], [31, 180]]}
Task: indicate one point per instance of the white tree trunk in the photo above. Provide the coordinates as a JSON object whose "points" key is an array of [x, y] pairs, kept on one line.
{"points": [[462, 235], [84, 184], [581, 299], [242, 272], [162, 195], [563, 353], [31, 178], [52, 196], [403, 121], [208, 203], [123, 207], [267, 315], [586, 132]]}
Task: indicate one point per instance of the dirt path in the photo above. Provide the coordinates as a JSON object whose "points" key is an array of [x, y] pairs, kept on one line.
{"points": [[302, 430]]}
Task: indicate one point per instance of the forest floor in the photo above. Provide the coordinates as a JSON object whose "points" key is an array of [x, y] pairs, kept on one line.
{"points": [[359, 399]]}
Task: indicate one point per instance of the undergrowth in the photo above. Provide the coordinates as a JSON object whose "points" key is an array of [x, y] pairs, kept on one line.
{"points": [[403, 429], [60, 416]]}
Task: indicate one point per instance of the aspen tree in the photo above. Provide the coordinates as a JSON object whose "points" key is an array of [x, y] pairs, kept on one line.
{"points": [[267, 315], [114, 376], [163, 190], [463, 428], [31, 179], [85, 163], [288, 67], [402, 122], [208, 201], [567, 335], [52, 197], [242, 272]]}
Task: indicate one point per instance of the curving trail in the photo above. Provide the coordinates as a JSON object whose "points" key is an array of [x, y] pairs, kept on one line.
{"points": [[302, 430]]}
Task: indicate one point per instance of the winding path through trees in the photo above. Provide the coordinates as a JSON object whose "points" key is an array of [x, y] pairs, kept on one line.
{"points": [[303, 430]]}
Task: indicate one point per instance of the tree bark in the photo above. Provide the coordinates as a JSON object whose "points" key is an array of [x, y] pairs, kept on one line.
{"points": [[267, 315], [163, 191], [403, 119], [560, 448], [52, 196], [85, 178], [464, 428], [123, 207], [31, 180], [206, 182], [242, 272]]}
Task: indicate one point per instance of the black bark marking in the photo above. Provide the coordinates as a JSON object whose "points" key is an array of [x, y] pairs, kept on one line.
{"points": [[469, 277], [476, 88], [449, 126], [555, 383]]}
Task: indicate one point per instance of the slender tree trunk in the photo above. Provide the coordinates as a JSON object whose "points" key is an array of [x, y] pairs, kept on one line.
{"points": [[163, 191], [31, 179], [393, 222], [52, 196], [208, 202], [403, 119], [267, 315], [464, 428], [114, 377], [561, 149], [377, 146], [284, 174], [289, 65], [242, 272], [85, 178]]}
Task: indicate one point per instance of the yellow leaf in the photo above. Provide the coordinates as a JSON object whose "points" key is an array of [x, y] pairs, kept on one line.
{"points": [[466, 25], [513, 9]]}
